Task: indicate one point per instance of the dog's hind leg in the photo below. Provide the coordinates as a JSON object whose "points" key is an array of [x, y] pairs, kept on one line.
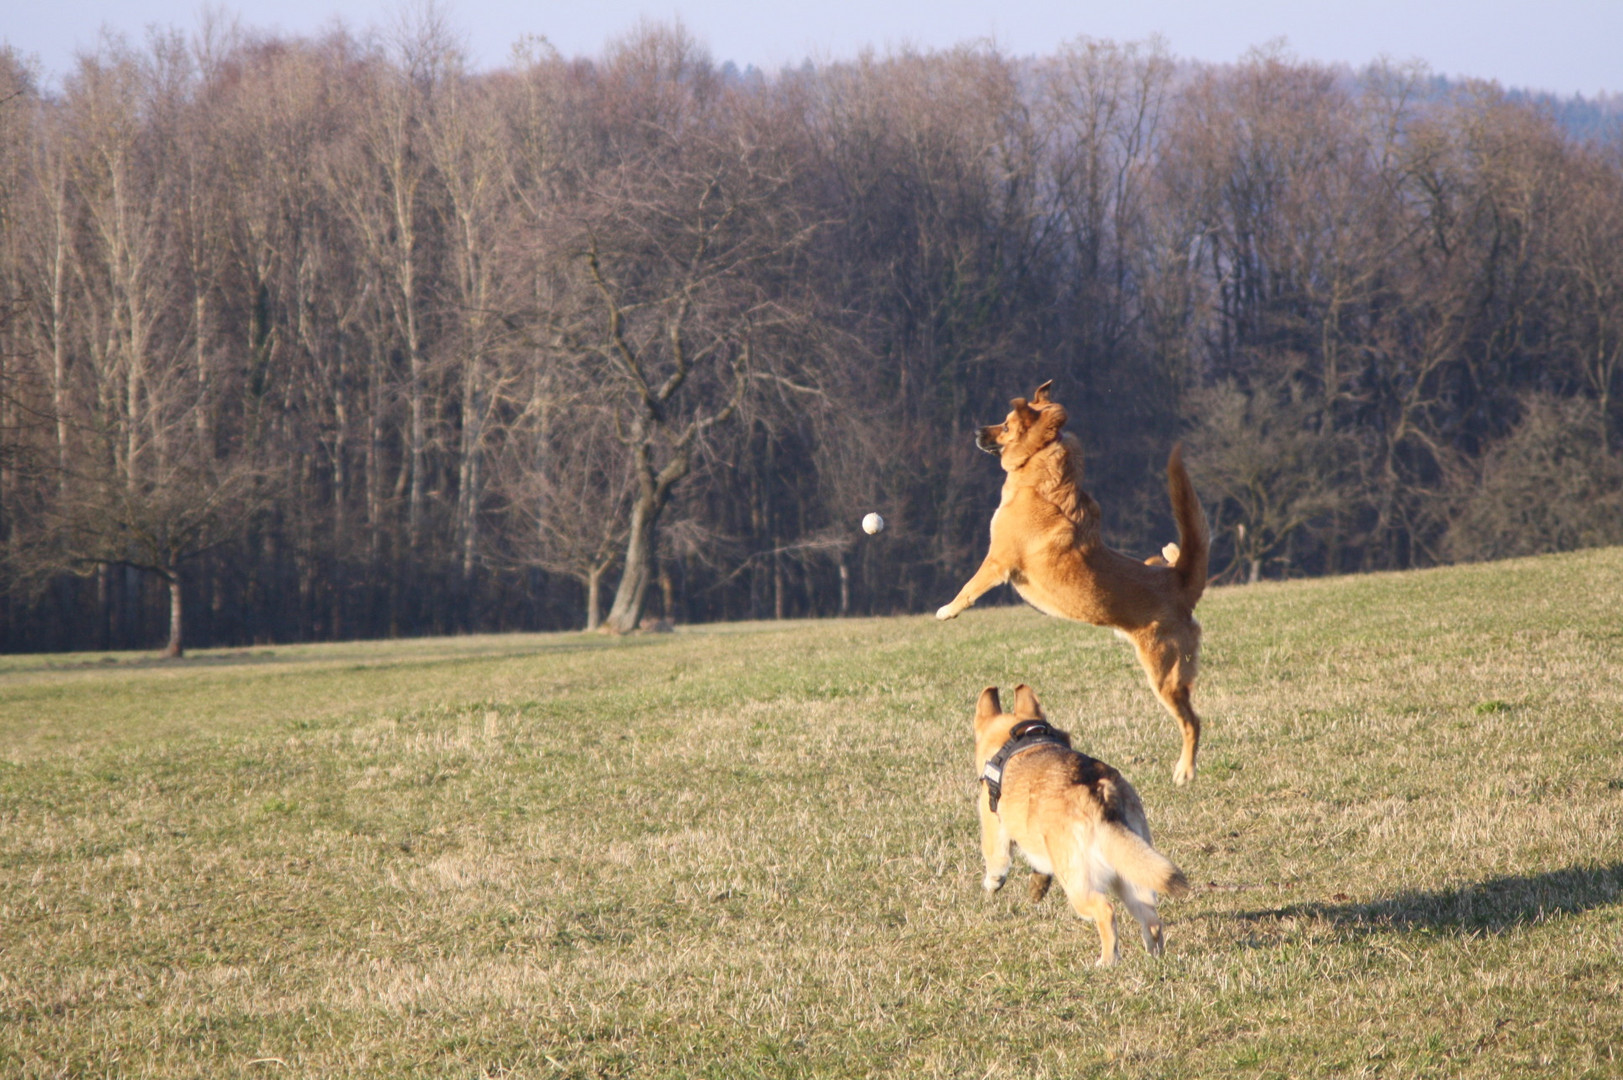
{"points": [[1169, 661], [1096, 906], [1149, 923], [1038, 886], [1177, 702]]}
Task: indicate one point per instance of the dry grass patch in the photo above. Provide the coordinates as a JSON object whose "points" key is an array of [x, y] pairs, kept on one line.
{"points": [[750, 850]]}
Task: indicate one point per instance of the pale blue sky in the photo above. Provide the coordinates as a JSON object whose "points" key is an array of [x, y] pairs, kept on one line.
{"points": [[1567, 46]]}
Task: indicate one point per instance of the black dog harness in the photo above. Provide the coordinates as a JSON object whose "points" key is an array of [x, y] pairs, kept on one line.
{"points": [[1022, 737]]}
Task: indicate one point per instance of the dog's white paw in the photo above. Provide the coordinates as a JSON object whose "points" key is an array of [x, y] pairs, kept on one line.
{"points": [[992, 883], [1183, 774], [945, 612]]}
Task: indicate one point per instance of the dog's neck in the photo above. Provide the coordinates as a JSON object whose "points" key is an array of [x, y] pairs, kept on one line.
{"points": [[1025, 735]]}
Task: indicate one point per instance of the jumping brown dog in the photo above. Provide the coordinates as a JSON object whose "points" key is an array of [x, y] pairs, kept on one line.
{"points": [[1046, 543]]}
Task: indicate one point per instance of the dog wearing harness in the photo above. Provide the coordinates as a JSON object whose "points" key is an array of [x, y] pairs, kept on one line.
{"points": [[1024, 736], [1071, 816]]}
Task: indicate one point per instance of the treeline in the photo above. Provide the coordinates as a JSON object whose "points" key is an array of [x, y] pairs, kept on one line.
{"points": [[306, 339]]}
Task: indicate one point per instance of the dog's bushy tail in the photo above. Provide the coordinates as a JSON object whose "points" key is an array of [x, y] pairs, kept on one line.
{"points": [[1194, 541], [1139, 863]]}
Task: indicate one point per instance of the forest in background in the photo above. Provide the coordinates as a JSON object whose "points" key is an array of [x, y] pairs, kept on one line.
{"points": [[316, 338]]}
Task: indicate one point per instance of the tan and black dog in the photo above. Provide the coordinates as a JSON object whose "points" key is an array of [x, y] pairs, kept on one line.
{"points": [[1073, 818], [1046, 543]]}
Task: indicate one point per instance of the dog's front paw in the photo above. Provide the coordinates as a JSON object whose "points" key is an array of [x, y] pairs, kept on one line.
{"points": [[945, 612], [1183, 773], [992, 883]]}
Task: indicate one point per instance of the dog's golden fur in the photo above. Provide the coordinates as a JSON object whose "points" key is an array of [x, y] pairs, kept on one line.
{"points": [[1073, 818], [1045, 542]]}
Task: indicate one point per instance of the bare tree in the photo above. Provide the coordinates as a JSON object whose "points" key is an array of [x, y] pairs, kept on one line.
{"points": [[465, 143], [1269, 473], [1551, 484], [1104, 106], [639, 322], [183, 507], [675, 299], [379, 180], [565, 486], [143, 477], [1590, 299]]}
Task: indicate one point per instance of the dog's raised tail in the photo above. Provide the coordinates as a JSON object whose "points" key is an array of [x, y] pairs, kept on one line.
{"points": [[1194, 541], [1139, 863]]}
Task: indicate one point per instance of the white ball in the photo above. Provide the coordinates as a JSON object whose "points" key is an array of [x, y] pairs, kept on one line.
{"points": [[872, 523]]}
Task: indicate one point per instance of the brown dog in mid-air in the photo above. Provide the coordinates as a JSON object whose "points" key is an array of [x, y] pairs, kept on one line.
{"points": [[1073, 818], [1046, 543]]}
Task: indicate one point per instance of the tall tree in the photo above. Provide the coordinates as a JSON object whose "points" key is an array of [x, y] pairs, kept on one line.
{"points": [[565, 485], [676, 295]]}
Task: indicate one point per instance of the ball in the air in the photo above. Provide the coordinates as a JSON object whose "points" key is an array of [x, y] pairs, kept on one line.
{"points": [[872, 524]]}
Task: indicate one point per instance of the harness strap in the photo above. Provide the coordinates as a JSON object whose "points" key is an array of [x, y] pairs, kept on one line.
{"points": [[1022, 737]]}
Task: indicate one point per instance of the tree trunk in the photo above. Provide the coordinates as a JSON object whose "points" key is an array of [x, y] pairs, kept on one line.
{"points": [[629, 597], [468, 498], [777, 584], [104, 607], [59, 356], [173, 650], [418, 446], [376, 433], [594, 598], [200, 321]]}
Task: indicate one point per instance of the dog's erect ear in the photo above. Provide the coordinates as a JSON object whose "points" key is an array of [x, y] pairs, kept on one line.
{"points": [[1040, 396], [1025, 703], [988, 706], [1050, 421], [1025, 412]]}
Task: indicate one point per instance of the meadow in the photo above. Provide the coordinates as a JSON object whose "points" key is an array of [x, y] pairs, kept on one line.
{"points": [[750, 850]]}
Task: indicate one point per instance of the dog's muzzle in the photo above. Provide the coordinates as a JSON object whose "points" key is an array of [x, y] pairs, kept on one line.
{"points": [[986, 440]]}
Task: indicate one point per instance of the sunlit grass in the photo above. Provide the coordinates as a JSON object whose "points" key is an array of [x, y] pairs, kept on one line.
{"points": [[750, 850]]}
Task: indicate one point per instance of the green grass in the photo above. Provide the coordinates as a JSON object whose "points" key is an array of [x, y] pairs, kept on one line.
{"points": [[750, 850]]}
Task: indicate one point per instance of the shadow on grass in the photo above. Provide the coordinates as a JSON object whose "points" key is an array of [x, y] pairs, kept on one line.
{"points": [[1492, 906]]}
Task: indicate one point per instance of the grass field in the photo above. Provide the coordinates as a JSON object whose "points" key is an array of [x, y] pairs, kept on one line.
{"points": [[750, 850]]}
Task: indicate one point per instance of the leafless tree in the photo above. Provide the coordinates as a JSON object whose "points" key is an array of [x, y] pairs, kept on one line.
{"points": [[1551, 484], [1265, 470], [675, 298], [182, 507], [1590, 269], [426, 345], [565, 485]]}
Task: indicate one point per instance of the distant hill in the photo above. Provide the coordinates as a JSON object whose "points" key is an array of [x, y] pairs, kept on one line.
{"points": [[1590, 119], [1596, 119]]}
